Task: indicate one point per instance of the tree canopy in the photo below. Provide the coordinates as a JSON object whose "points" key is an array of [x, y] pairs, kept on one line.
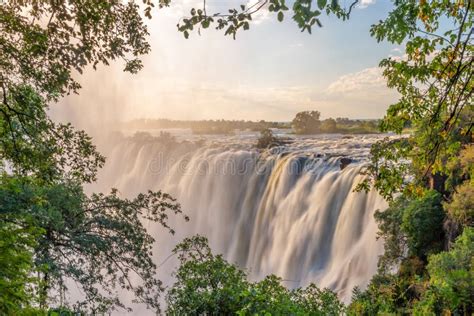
{"points": [[306, 14], [424, 174], [207, 284], [50, 227], [306, 122]]}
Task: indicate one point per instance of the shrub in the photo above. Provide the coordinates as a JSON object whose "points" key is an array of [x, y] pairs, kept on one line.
{"points": [[206, 284]]}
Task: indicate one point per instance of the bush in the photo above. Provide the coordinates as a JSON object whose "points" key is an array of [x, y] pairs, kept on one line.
{"points": [[329, 126], [208, 285], [422, 222], [306, 122], [451, 283], [16, 265], [266, 139], [379, 298], [411, 227], [461, 208]]}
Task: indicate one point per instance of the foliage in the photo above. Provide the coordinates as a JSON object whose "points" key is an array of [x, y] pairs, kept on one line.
{"points": [[328, 126], [389, 169], [306, 122], [436, 86], [422, 222], [411, 228], [343, 125], [306, 14], [389, 223], [16, 263], [207, 284], [204, 125], [461, 204], [383, 296], [427, 174], [315, 301], [99, 241], [451, 283], [267, 139], [220, 129], [461, 208], [446, 288], [34, 145], [42, 43]]}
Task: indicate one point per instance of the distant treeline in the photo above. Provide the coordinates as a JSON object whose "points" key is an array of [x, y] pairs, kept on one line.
{"points": [[348, 126], [311, 126], [206, 126]]}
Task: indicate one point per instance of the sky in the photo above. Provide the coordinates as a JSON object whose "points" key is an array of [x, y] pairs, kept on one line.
{"points": [[270, 72]]}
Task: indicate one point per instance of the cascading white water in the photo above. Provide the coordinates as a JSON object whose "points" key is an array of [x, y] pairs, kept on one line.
{"points": [[290, 211]]}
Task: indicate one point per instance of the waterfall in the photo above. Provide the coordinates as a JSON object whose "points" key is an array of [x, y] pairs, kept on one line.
{"points": [[290, 211]]}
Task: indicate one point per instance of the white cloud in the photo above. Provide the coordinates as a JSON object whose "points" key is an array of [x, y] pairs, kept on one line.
{"points": [[296, 45], [362, 94], [365, 3], [397, 50], [364, 80]]}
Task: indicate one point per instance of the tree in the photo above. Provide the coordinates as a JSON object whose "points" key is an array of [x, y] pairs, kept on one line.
{"points": [[460, 207], [422, 222], [204, 283], [328, 126], [207, 284], [343, 121], [411, 228], [306, 13], [267, 139], [417, 172], [98, 241], [451, 279], [306, 122], [42, 43], [16, 264], [435, 83]]}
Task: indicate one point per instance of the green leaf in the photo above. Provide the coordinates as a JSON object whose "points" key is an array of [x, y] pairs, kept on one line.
{"points": [[280, 16], [322, 4]]}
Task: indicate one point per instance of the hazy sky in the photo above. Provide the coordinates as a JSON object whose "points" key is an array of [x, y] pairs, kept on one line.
{"points": [[270, 72]]}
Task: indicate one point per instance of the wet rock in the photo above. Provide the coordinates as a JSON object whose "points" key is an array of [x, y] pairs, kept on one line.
{"points": [[344, 162]]}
